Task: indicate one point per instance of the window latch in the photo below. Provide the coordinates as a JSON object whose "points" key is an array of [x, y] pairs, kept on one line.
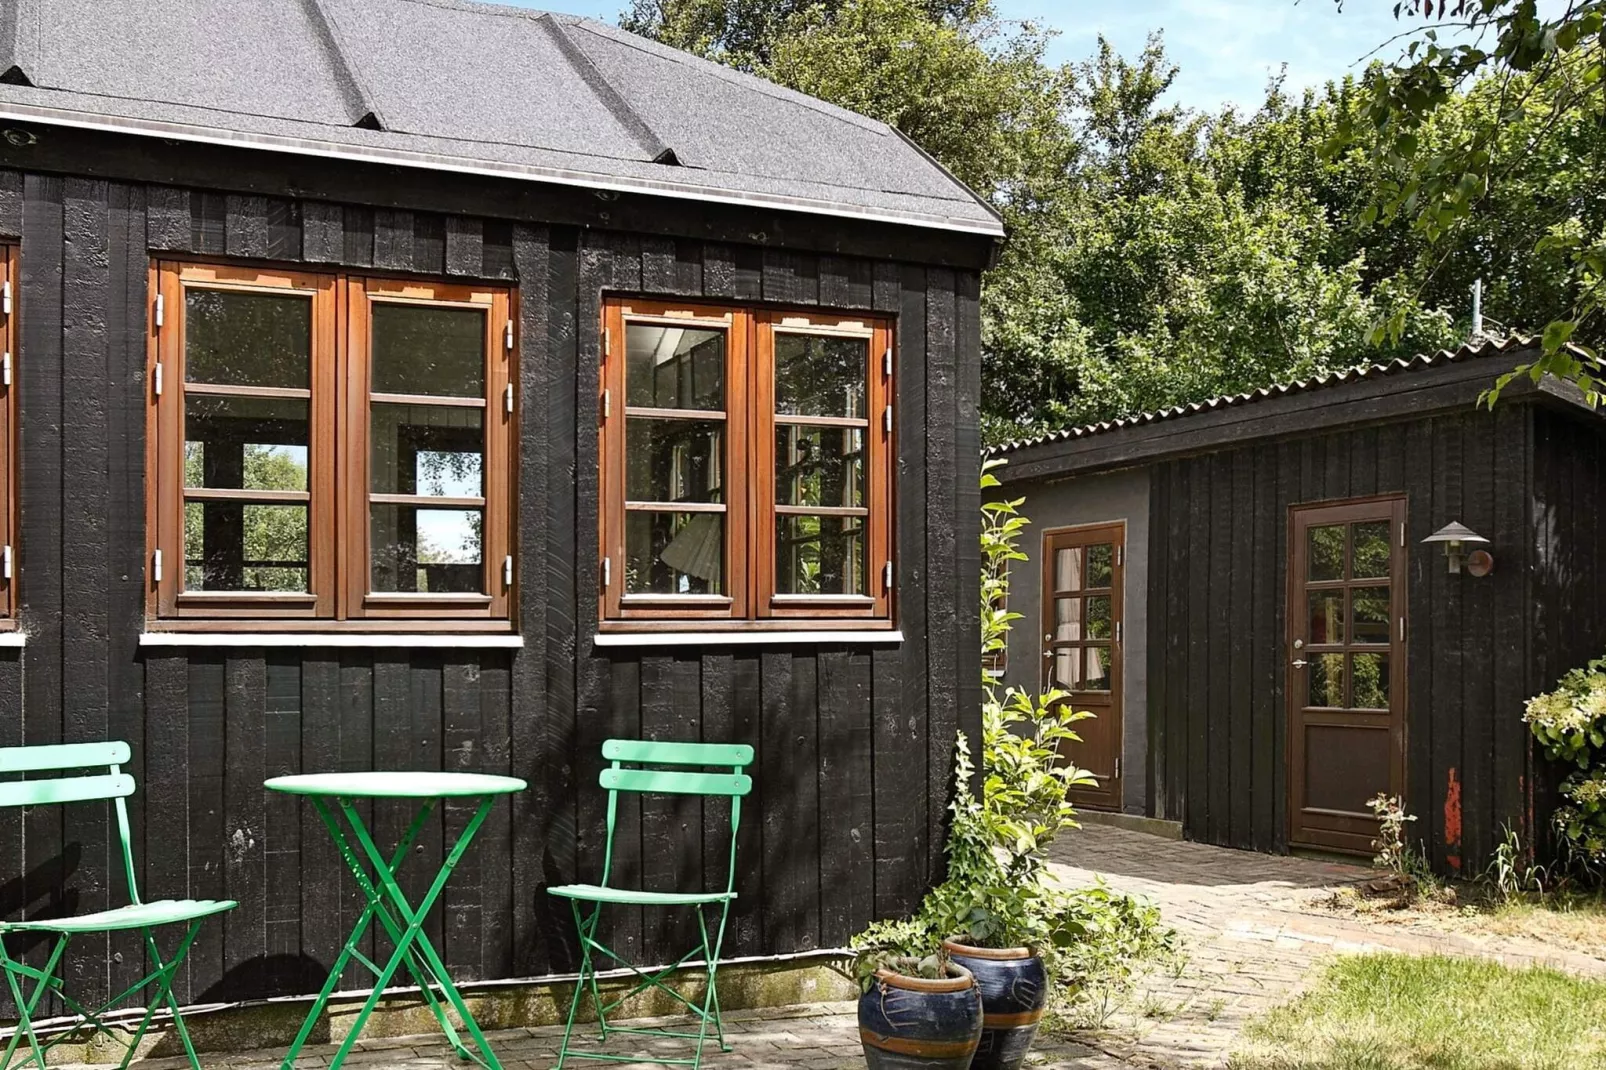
{"points": [[156, 566], [607, 572], [156, 379], [507, 336], [886, 576], [507, 571], [5, 562], [160, 304]]}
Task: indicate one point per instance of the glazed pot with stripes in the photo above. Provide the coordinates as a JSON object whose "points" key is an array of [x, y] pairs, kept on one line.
{"points": [[916, 1023], [1014, 992]]}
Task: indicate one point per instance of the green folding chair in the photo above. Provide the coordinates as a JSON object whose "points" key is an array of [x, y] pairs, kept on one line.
{"points": [[616, 778], [146, 917]]}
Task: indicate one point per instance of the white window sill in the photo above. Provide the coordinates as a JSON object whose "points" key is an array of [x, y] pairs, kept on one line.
{"points": [[794, 637], [390, 640]]}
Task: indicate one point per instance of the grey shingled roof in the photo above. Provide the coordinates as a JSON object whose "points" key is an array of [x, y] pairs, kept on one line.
{"points": [[1472, 350], [469, 87]]}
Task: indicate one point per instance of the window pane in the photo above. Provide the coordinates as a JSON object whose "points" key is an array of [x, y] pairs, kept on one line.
{"points": [[1098, 616], [247, 339], [674, 553], [1068, 569], [1067, 619], [1326, 674], [1371, 681], [1326, 617], [819, 555], [673, 460], [239, 546], [241, 442], [1325, 553], [1067, 669], [1100, 564], [427, 549], [1371, 553], [1097, 677], [819, 465], [437, 450], [1369, 612], [674, 367], [426, 349], [820, 375]]}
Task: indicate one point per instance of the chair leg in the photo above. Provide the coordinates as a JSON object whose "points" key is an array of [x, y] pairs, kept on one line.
{"points": [[26, 1007], [163, 995], [711, 1010], [587, 979]]}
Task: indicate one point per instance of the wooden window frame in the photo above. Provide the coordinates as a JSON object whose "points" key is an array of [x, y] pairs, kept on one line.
{"points": [[10, 345], [338, 494], [751, 601]]}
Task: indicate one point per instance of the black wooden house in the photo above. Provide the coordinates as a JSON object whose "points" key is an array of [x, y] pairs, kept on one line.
{"points": [[421, 384], [1241, 591]]}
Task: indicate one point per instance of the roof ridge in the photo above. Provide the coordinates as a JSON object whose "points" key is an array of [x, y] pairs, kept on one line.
{"points": [[359, 100], [604, 90]]}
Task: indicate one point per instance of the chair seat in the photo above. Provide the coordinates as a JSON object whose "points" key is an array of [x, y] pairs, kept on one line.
{"points": [[133, 916], [594, 893]]}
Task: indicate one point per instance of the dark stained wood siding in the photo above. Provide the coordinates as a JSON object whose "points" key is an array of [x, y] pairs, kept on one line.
{"points": [[1219, 528], [854, 742]]}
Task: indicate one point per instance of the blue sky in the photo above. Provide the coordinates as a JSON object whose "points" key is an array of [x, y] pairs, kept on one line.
{"points": [[1227, 49]]}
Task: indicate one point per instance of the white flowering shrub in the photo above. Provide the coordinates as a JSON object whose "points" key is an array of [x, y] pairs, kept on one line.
{"points": [[1570, 724]]}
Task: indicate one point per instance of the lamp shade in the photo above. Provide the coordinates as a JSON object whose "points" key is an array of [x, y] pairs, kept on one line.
{"points": [[1455, 531]]}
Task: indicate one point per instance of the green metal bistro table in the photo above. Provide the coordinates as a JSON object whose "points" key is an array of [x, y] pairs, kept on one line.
{"points": [[335, 794]]}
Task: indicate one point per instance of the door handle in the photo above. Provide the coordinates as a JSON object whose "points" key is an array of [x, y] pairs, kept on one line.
{"points": [[1299, 663]]}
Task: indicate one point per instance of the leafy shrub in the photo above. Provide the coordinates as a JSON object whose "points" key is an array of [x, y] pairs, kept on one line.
{"points": [[1570, 725]]}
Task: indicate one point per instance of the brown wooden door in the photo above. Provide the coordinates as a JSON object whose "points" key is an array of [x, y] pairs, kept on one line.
{"points": [[1082, 571], [1346, 675]]}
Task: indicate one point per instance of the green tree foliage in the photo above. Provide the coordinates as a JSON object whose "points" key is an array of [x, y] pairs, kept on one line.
{"points": [[1157, 255]]}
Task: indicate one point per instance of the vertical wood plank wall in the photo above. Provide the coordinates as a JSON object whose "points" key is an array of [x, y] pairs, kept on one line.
{"points": [[1217, 664], [854, 744]]}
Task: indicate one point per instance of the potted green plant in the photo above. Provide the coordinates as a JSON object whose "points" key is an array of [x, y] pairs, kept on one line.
{"points": [[917, 1007]]}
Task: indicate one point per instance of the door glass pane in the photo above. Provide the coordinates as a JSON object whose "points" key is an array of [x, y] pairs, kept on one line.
{"points": [[674, 553], [1326, 617], [1067, 619], [245, 443], [427, 549], [674, 367], [1326, 674], [819, 465], [247, 339], [1068, 569], [819, 555], [1098, 616], [1100, 564], [437, 450], [674, 460], [820, 375], [242, 546], [1371, 681], [1324, 548], [1371, 552], [1097, 676], [1369, 612], [427, 349], [1067, 669]]}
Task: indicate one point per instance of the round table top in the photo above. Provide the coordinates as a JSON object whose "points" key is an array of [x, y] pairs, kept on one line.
{"points": [[396, 785]]}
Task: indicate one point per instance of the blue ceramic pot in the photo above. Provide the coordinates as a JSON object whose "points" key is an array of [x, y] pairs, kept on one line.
{"points": [[910, 1023], [1014, 991]]}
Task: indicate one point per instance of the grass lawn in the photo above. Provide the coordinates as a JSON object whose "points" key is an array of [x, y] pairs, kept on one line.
{"points": [[1397, 1012]]}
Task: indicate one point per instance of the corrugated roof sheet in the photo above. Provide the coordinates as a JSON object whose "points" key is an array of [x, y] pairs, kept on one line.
{"points": [[1472, 350], [465, 86]]}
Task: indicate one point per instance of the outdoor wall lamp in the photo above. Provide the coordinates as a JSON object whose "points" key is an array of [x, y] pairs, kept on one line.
{"points": [[1455, 536]]}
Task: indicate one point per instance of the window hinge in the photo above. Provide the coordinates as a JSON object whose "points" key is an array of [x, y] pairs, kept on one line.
{"points": [[1402, 536], [607, 404], [5, 297], [607, 572], [156, 379], [1117, 769], [507, 571], [160, 305], [5, 369], [607, 344], [1402, 629], [507, 335], [1120, 555], [886, 362], [886, 576], [1117, 631], [5, 562], [886, 419], [507, 397], [156, 566]]}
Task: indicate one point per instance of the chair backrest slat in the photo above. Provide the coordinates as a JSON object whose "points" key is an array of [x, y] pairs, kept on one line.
{"points": [[667, 753], [676, 783], [66, 790], [63, 756]]}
